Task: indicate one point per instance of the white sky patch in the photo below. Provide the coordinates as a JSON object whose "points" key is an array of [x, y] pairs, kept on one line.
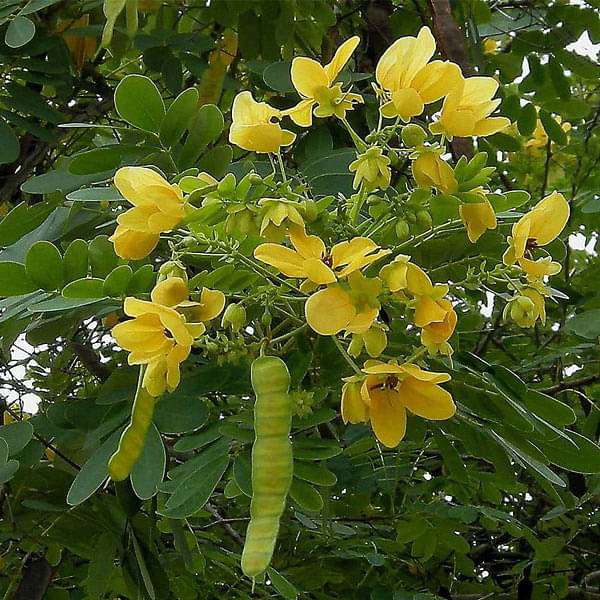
{"points": [[487, 309], [571, 369], [21, 351]]}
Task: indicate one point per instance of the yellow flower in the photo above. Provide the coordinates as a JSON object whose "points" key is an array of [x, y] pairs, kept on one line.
{"points": [[490, 46], [539, 137], [310, 260], [315, 84], [389, 390], [409, 80], [374, 341], [429, 170], [371, 169], [435, 335], [336, 308], [162, 331], [255, 126], [278, 217], [526, 308], [467, 107], [538, 227], [477, 218], [536, 270], [157, 207]]}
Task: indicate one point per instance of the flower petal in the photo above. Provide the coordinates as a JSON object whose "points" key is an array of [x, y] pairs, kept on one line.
{"points": [[341, 57], [133, 181], [426, 400], [308, 246], [354, 410], [548, 218], [212, 302], [388, 416], [329, 311], [286, 260], [301, 114], [133, 245], [308, 76], [429, 376], [170, 292]]}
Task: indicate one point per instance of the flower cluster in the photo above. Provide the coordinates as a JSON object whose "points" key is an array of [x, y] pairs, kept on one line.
{"points": [[349, 278]]}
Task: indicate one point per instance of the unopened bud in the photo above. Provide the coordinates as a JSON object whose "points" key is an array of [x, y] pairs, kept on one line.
{"points": [[234, 317], [172, 268], [402, 230], [413, 135]]}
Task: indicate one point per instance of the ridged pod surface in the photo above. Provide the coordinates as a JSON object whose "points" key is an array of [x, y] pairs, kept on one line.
{"points": [[133, 439], [272, 461]]}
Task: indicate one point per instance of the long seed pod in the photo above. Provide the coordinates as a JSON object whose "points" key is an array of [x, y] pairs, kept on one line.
{"points": [[272, 461], [133, 438]]}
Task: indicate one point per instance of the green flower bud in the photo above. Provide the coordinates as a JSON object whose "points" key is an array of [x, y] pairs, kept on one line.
{"points": [[411, 217], [171, 268], [234, 317], [424, 219], [402, 230], [413, 135], [309, 210], [522, 311]]}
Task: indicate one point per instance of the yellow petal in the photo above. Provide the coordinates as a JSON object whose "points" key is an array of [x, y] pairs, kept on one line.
{"points": [[538, 269], [247, 111], [376, 367], [301, 114], [341, 57], [416, 372], [170, 292], [388, 416], [408, 103], [308, 246], [133, 181], [212, 302], [286, 260], [318, 272], [169, 317], [362, 320], [478, 218], [395, 273], [354, 410], [133, 245], [417, 281], [155, 377], [329, 311], [375, 341], [426, 400], [490, 126], [436, 80], [428, 311], [177, 355], [548, 218], [308, 76]]}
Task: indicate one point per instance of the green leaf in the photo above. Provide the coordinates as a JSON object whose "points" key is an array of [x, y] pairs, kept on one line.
{"points": [[93, 472], [585, 324], [277, 76], [282, 585], [216, 160], [178, 117], [139, 102], [306, 496], [34, 6], [583, 457], [315, 449], [20, 31], [142, 280], [16, 435], [206, 127], [95, 194], [179, 412], [60, 304], [14, 280], [317, 474], [101, 565], [44, 265], [553, 128], [8, 470], [242, 473], [9, 144], [549, 408], [96, 160], [527, 119], [198, 440], [559, 80], [75, 260], [119, 386], [504, 142], [508, 200], [149, 470], [117, 281], [102, 256], [86, 287]]}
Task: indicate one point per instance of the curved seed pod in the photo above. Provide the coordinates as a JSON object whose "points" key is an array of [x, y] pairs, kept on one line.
{"points": [[272, 461], [133, 438]]}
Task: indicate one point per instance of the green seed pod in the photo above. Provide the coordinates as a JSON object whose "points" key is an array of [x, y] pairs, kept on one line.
{"points": [[413, 135], [402, 230], [272, 461]]}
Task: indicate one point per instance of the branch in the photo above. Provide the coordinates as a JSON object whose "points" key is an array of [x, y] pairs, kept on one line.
{"points": [[570, 384], [220, 520], [90, 360], [35, 580]]}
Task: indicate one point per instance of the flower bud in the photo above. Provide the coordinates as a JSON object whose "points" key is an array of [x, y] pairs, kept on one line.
{"points": [[171, 268], [413, 135], [522, 311], [424, 219], [234, 317], [402, 230]]}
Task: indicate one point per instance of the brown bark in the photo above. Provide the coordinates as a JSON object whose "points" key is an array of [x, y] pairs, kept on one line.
{"points": [[35, 581]]}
